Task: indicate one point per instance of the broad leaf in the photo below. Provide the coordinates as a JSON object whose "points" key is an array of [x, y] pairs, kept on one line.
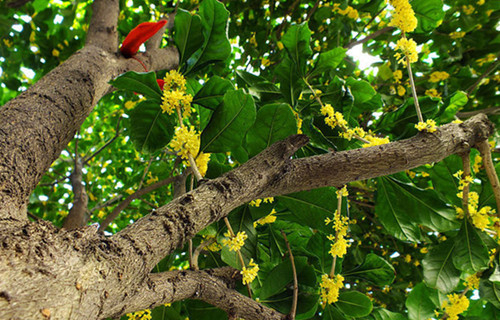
{"points": [[290, 82], [354, 304], [327, 61], [274, 122], [470, 254], [188, 34], [296, 41], [491, 292], [140, 82], [419, 302], [229, 123], [280, 276], [212, 92], [374, 269], [439, 271], [429, 13], [150, 128], [384, 314], [453, 105]]}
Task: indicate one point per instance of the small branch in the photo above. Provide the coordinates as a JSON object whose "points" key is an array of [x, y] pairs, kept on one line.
{"points": [[490, 69], [287, 14], [197, 251], [368, 23], [119, 208], [117, 133], [487, 111], [106, 203], [293, 309], [145, 173], [484, 149], [414, 91], [313, 9], [371, 36], [17, 3]]}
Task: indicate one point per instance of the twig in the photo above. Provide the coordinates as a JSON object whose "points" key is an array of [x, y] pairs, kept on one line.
{"points": [[119, 208], [487, 111], [368, 23], [32, 216], [484, 75], [197, 251], [293, 309], [117, 133], [484, 149], [152, 205], [313, 9], [465, 192], [414, 91], [283, 24], [145, 173], [371, 36], [106, 203]]}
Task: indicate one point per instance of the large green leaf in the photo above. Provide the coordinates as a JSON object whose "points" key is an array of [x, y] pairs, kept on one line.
{"points": [[439, 271], [327, 61], [297, 43], [453, 105], [332, 313], [491, 292], [140, 82], [212, 92], [291, 83], [429, 13], [470, 254], [394, 213], [201, 310], [216, 47], [419, 302], [188, 34], [280, 276], [384, 314], [150, 128], [374, 269], [274, 122], [361, 90], [445, 184], [311, 208], [229, 123], [354, 304]]}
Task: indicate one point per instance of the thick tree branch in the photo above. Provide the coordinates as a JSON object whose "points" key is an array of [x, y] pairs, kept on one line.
{"points": [[103, 31], [77, 216], [214, 286]]}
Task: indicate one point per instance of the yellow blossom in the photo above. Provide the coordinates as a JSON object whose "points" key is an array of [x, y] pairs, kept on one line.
{"points": [[407, 258], [234, 243], [202, 162], [468, 9], [214, 246], [408, 49], [333, 118], [432, 93], [265, 62], [249, 274], [424, 250], [477, 163], [270, 218], [329, 288], [398, 75], [472, 282], [55, 53], [342, 192], [401, 90], [140, 315], [489, 57], [404, 16], [455, 306], [186, 141], [429, 126], [480, 2], [252, 40], [457, 34], [457, 121], [174, 94], [280, 45], [437, 76]]}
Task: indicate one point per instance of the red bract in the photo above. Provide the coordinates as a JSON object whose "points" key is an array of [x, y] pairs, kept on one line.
{"points": [[161, 83], [139, 35]]}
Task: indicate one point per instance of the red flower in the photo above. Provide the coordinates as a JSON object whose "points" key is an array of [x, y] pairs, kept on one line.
{"points": [[139, 35], [161, 83]]}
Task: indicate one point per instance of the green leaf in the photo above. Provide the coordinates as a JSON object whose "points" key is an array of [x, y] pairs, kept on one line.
{"points": [[297, 43], [384, 314], [361, 90], [429, 13], [201, 310], [392, 212], [470, 254], [354, 304], [212, 92], [419, 302], [229, 123], [150, 128], [290, 82], [140, 82], [280, 276], [445, 184], [332, 313], [311, 208], [439, 271], [374, 269], [188, 35], [490, 292], [453, 105], [274, 122], [241, 220], [216, 47], [327, 61]]}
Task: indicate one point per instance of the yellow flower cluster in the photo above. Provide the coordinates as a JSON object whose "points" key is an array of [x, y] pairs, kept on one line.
{"points": [[333, 118], [140, 315], [257, 203], [374, 141], [432, 93], [401, 90], [408, 49], [174, 94], [235, 243], [186, 141], [201, 162], [329, 288], [457, 34], [489, 57], [250, 273], [404, 16], [468, 9], [478, 160], [429, 126], [270, 218], [472, 281], [398, 75], [437, 76], [340, 225], [349, 11], [480, 218], [214, 246], [455, 306]]}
